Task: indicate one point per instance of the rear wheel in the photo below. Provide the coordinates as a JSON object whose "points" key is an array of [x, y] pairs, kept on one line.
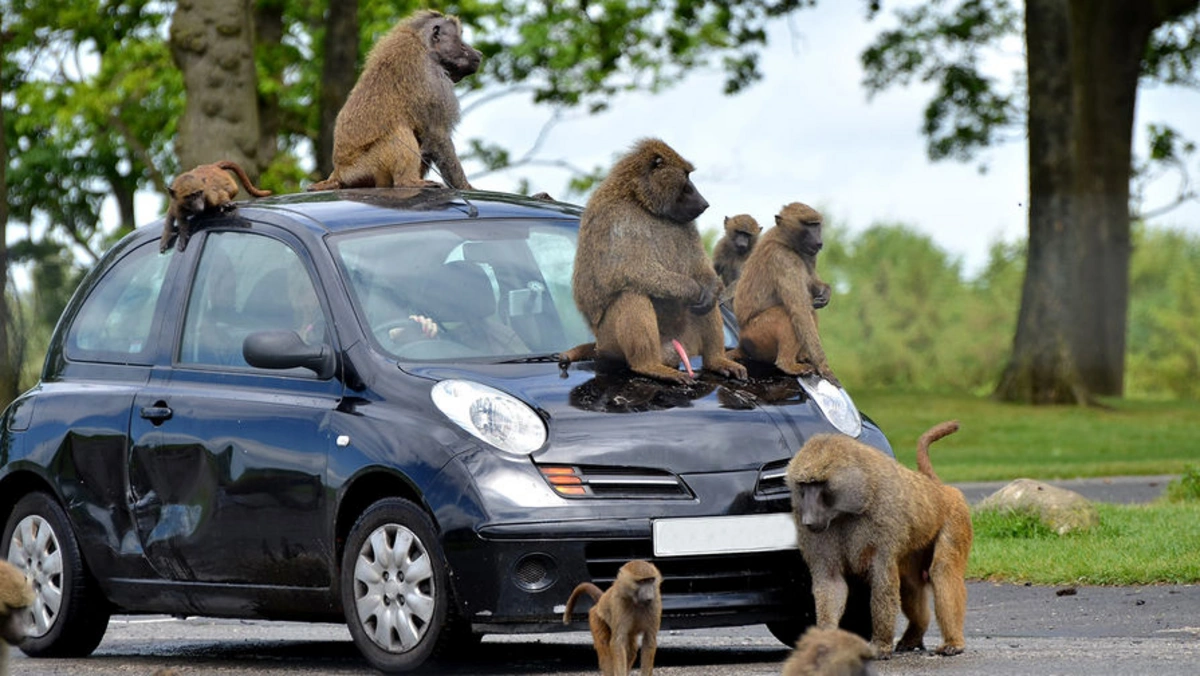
{"points": [[395, 587], [69, 614]]}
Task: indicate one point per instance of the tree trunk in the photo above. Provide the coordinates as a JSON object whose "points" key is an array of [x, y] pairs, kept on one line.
{"points": [[212, 42], [338, 75], [1084, 61], [1042, 369], [1108, 41], [268, 32]]}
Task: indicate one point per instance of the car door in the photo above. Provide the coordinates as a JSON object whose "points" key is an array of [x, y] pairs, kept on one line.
{"points": [[227, 467]]}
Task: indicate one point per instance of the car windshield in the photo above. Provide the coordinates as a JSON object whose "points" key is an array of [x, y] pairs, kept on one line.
{"points": [[498, 290]]}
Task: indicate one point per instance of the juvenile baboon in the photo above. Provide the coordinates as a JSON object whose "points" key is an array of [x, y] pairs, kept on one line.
{"points": [[830, 652], [731, 251], [859, 512], [15, 596], [631, 608], [642, 278], [204, 188], [398, 118], [778, 293]]}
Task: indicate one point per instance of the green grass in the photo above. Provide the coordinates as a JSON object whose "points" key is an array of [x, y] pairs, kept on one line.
{"points": [[998, 442], [1134, 544]]}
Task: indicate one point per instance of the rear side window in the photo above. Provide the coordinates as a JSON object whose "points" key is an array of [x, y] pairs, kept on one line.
{"points": [[115, 321]]}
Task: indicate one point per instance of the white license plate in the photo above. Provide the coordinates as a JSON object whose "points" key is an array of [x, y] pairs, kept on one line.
{"points": [[724, 534]]}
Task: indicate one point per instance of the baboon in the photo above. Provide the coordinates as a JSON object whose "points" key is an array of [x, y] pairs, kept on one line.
{"points": [[778, 293], [398, 118], [731, 251], [859, 512], [204, 188], [631, 607], [830, 652], [642, 278], [15, 596]]}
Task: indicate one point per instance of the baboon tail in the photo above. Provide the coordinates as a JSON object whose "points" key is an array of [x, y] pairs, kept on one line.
{"points": [[583, 587], [236, 168], [931, 435]]}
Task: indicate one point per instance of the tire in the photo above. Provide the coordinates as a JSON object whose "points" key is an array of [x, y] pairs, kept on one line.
{"points": [[395, 586], [856, 618], [70, 613]]}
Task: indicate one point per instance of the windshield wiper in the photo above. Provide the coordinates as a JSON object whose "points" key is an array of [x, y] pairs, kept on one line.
{"points": [[533, 359]]}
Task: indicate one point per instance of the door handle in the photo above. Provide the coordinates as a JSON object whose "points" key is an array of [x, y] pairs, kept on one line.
{"points": [[157, 413]]}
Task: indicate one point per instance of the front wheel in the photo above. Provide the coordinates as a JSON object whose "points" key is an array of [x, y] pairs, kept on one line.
{"points": [[395, 587], [69, 612]]}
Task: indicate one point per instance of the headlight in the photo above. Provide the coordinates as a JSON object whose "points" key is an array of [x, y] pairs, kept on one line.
{"points": [[833, 401], [493, 416]]}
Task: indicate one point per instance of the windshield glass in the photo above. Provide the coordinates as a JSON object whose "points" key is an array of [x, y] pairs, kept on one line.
{"points": [[477, 289]]}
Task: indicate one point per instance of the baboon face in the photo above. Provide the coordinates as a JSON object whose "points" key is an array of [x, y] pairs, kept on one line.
{"points": [[804, 224], [741, 242], [668, 191], [189, 192], [814, 505], [647, 589], [812, 243], [742, 230], [456, 57]]}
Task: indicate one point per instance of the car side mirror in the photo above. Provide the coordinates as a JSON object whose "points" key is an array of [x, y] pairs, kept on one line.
{"points": [[277, 349]]}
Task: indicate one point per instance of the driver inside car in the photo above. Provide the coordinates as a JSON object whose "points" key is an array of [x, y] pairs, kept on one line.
{"points": [[457, 303]]}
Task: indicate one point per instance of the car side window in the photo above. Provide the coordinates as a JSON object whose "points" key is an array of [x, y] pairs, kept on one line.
{"points": [[245, 283], [115, 321]]}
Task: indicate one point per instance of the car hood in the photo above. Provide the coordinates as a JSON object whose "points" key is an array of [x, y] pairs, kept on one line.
{"points": [[617, 418]]}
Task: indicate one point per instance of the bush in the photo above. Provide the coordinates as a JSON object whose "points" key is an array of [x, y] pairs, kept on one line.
{"points": [[1186, 488]]}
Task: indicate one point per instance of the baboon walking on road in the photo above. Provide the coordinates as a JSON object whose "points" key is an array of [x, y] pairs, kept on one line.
{"points": [[15, 596], [630, 609], [859, 512], [830, 652]]}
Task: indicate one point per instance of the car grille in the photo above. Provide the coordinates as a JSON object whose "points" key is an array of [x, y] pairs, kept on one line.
{"points": [[576, 481], [771, 479], [768, 575]]}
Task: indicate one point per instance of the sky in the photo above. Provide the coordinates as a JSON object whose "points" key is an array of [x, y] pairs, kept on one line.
{"points": [[807, 132]]}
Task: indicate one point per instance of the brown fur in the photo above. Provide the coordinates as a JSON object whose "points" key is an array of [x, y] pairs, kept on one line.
{"points": [[830, 652], [204, 188], [631, 608], [642, 278], [778, 293], [15, 596], [398, 118], [734, 247], [858, 512]]}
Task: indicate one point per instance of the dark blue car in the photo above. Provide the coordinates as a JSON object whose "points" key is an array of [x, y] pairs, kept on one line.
{"points": [[345, 406]]}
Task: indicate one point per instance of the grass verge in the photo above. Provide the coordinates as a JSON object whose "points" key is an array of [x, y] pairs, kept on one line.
{"points": [[998, 442], [1134, 544]]}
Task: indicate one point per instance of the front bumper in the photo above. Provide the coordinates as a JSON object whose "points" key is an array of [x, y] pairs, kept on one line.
{"points": [[514, 574]]}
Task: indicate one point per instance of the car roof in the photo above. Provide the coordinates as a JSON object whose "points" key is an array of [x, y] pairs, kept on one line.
{"points": [[342, 210]]}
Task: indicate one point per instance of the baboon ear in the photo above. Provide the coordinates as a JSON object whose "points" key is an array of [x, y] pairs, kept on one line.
{"points": [[778, 220], [658, 161], [727, 220], [437, 32], [172, 192]]}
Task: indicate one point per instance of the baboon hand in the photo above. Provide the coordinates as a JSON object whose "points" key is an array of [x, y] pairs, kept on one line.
{"points": [[707, 299]]}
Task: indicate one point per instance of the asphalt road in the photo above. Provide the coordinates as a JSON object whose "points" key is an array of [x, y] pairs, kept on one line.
{"points": [[1011, 629]]}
